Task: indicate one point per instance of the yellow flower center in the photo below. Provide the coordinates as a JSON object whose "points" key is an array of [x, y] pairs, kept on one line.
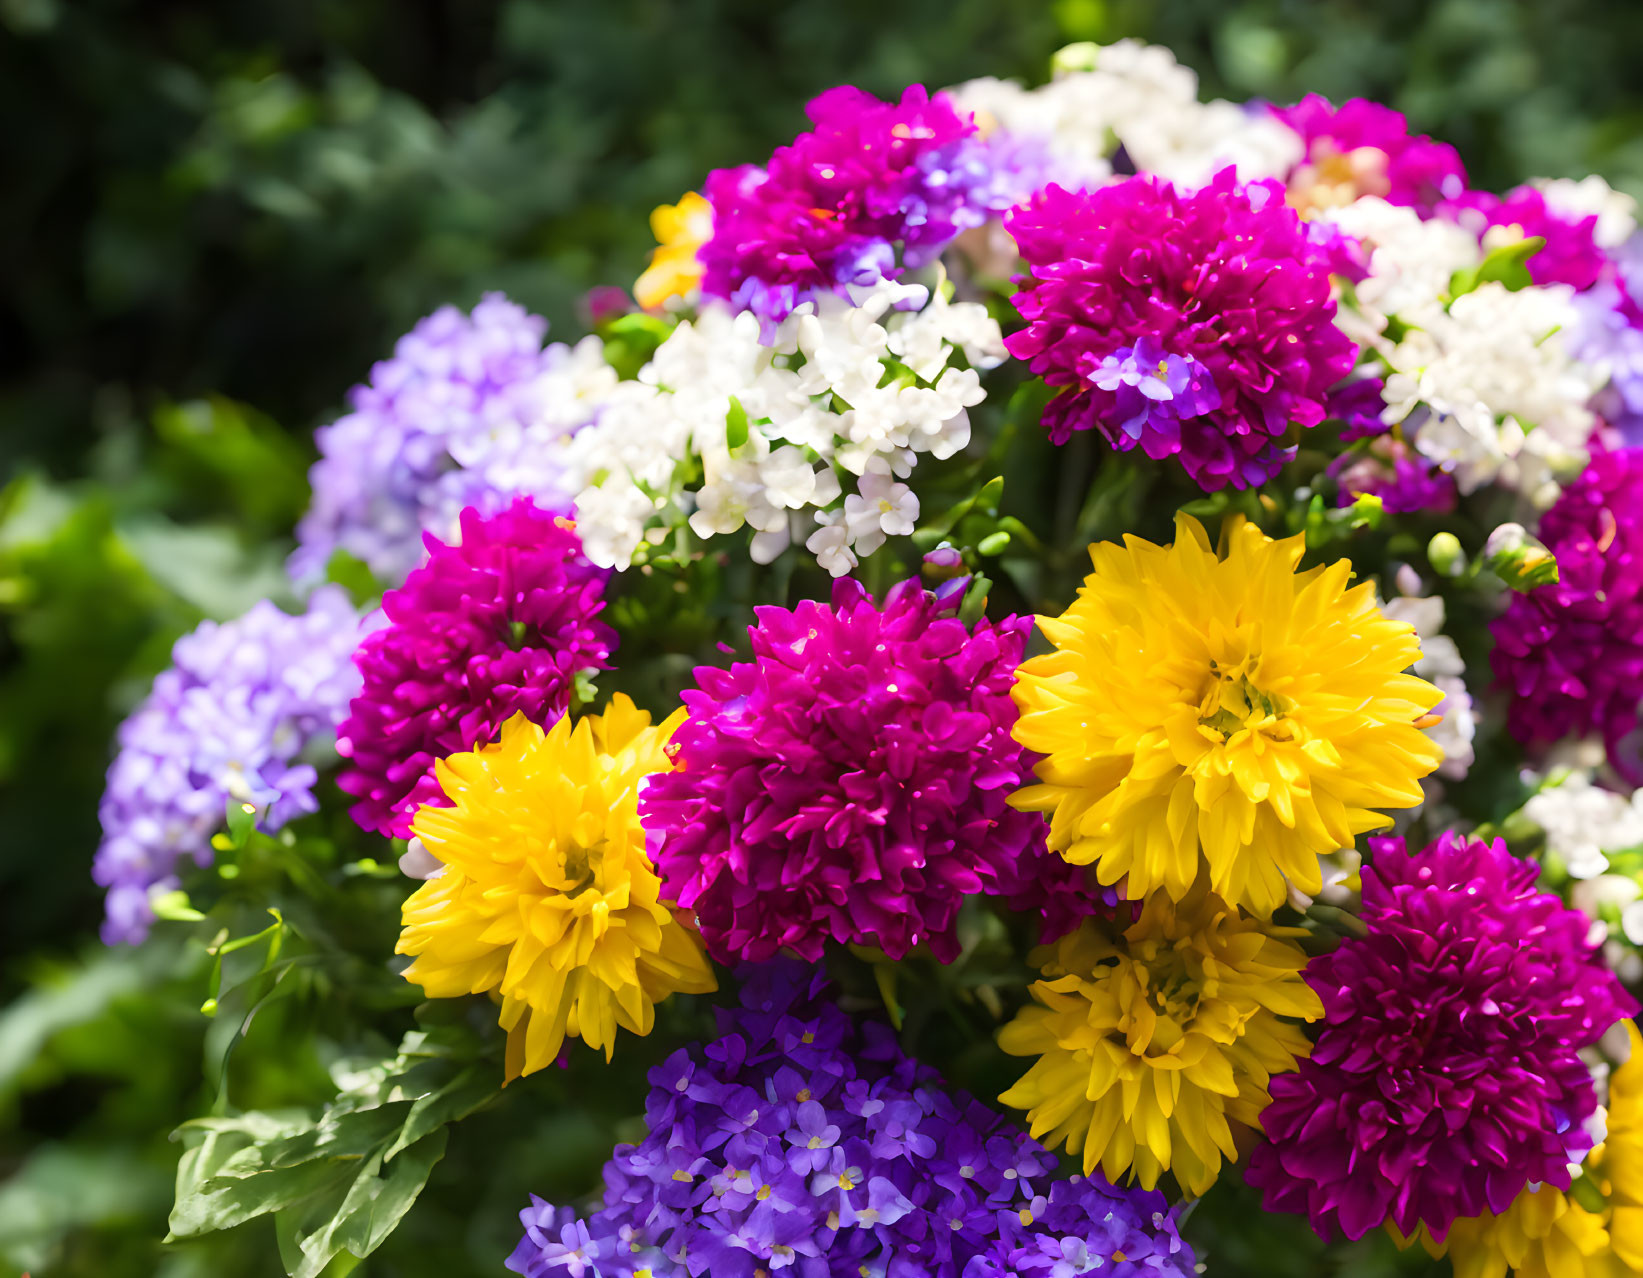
{"points": [[1232, 703]]}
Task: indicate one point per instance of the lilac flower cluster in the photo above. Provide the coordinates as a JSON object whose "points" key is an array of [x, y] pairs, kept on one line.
{"points": [[801, 1141], [232, 720], [466, 413], [1196, 325], [830, 210], [852, 781], [1571, 653], [1447, 1075]]}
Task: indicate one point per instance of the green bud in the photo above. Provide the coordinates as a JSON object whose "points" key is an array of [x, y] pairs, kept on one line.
{"points": [[1445, 554]]}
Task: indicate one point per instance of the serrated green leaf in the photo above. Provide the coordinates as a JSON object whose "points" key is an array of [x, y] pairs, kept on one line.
{"points": [[338, 1182]]}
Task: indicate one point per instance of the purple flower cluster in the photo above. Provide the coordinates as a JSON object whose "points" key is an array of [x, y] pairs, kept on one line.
{"points": [[1219, 292], [1402, 478], [1570, 654], [1407, 169], [800, 1141], [852, 782], [1446, 1076], [449, 422], [499, 623], [830, 210], [234, 719]]}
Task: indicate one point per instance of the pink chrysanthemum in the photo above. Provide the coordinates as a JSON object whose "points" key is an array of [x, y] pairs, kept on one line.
{"points": [[497, 624], [852, 783], [830, 209], [1369, 146], [1570, 654], [1446, 1075], [1197, 325]]}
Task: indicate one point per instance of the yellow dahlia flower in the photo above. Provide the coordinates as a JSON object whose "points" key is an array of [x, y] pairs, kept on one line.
{"points": [[1618, 1163], [1543, 1234], [674, 271], [547, 897], [1222, 709], [1150, 1039]]}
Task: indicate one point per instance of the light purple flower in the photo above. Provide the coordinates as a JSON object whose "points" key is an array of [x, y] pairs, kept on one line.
{"points": [[243, 714]]}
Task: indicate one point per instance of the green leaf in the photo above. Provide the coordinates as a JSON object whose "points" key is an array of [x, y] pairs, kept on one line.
{"points": [[337, 1183], [984, 501], [735, 425], [1504, 265], [242, 819]]}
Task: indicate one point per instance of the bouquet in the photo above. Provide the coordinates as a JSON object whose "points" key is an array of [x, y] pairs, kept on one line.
{"points": [[1070, 653]]}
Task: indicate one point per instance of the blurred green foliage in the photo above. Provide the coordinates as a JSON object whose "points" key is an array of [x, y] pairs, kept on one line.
{"points": [[216, 215]]}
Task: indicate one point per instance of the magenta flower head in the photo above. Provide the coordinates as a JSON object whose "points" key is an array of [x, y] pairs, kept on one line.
{"points": [[1369, 146], [1570, 255], [830, 210], [1196, 325], [498, 623], [1570, 654], [851, 782], [1446, 1076]]}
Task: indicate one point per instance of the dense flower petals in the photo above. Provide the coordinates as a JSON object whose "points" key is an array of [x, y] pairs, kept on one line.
{"points": [[1221, 711], [499, 623], [1150, 1037], [1446, 1077], [546, 895], [1223, 284], [806, 1141], [852, 783]]}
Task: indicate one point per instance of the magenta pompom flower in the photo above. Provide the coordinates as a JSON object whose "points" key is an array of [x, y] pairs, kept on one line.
{"points": [[831, 209], [852, 782], [1446, 1076], [1196, 325], [501, 622], [1367, 149], [1570, 654]]}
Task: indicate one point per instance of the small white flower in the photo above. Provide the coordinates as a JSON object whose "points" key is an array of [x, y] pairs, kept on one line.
{"points": [[831, 545], [879, 509]]}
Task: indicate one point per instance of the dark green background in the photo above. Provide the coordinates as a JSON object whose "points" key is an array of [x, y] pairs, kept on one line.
{"points": [[217, 215]]}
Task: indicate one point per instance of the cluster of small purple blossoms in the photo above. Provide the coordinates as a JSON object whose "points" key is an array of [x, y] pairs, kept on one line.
{"points": [[802, 1141], [832, 209], [1368, 148], [1218, 297], [464, 414], [851, 783], [1446, 1077], [231, 721], [498, 623], [1570, 653]]}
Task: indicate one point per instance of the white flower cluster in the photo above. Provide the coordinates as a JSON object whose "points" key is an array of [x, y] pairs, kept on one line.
{"points": [[1139, 95], [1441, 664], [1485, 381], [842, 392], [1584, 822]]}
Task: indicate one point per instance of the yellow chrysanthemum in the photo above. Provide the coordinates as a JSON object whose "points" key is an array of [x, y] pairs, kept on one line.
{"points": [[1546, 1233], [547, 896], [1149, 1040], [674, 271], [1543, 1234], [1619, 1163], [1222, 709]]}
